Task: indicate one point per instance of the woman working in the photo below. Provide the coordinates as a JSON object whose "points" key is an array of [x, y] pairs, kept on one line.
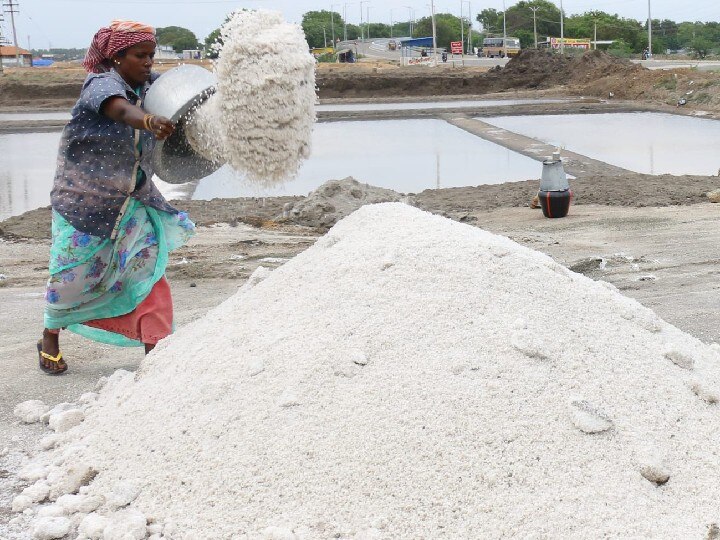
{"points": [[112, 230]]}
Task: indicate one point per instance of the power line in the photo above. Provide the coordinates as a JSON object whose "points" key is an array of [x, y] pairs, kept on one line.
{"points": [[11, 8]]}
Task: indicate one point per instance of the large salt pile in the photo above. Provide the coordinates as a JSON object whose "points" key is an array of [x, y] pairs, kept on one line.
{"points": [[406, 377], [261, 117]]}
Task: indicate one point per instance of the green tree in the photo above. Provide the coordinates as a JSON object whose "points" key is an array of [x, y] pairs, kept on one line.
{"points": [[317, 26], [701, 46], [178, 38], [491, 20], [377, 30], [447, 27], [519, 19], [353, 31]]}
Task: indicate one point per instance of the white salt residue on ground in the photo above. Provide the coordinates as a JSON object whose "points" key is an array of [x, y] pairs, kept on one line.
{"points": [[261, 117], [407, 376]]}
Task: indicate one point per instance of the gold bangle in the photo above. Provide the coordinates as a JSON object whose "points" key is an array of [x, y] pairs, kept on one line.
{"points": [[147, 121]]}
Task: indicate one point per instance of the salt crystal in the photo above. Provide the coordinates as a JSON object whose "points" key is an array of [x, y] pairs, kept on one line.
{"points": [[93, 525], [127, 524], [50, 528], [679, 357], [122, 495], [21, 502], [655, 473], [38, 492], [587, 419], [30, 412], [66, 420]]}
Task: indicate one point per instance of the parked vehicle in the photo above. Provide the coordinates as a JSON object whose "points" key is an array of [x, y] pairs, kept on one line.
{"points": [[500, 47]]}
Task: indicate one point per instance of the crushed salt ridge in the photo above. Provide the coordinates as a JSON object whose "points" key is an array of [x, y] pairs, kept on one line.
{"points": [[260, 119], [396, 380]]}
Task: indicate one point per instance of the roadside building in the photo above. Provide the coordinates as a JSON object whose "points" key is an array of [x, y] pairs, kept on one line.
{"points": [[9, 56], [569, 43], [192, 54], [166, 52]]}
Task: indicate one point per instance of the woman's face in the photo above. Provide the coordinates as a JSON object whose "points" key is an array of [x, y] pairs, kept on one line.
{"points": [[135, 65]]}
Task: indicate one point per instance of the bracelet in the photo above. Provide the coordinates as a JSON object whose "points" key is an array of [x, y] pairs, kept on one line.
{"points": [[147, 121]]}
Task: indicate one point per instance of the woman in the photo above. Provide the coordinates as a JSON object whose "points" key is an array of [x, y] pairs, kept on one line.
{"points": [[112, 229]]}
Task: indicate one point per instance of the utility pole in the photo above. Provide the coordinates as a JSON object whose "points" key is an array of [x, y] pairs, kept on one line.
{"points": [[504, 31], [362, 33], [332, 21], [2, 39], [562, 29], [595, 34], [367, 20], [470, 25], [434, 29], [534, 10], [649, 31], [462, 25], [11, 7], [411, 18]]}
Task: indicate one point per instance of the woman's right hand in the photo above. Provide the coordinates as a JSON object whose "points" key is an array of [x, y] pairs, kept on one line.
{"points": [[161, 127]]}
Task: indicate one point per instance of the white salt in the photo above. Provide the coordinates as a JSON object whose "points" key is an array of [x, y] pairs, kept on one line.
{"points": [[261, 117], [30, 412], [66, 420], [50, 528], [456, 427]]}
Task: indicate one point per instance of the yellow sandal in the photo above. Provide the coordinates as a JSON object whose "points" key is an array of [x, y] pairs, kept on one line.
{"points": [[56, 359]]}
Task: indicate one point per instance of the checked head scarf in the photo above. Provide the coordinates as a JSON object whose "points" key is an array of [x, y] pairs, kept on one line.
{"points": [[110, 40]]}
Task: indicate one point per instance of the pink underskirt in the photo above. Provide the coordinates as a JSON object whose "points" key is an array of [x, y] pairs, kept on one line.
{"points": [[149, 322]]}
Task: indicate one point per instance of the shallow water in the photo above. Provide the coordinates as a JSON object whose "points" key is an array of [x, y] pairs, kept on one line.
{"points": [[408, 156], [405, 106], [16, 117], [650, 143], [27, 166], [405, 155]]}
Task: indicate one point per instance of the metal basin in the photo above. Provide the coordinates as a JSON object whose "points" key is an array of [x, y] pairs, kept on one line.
{"points": [[173, 95]]}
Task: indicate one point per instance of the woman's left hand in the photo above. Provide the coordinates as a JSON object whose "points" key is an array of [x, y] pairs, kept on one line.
{"points": [[161, 127]]}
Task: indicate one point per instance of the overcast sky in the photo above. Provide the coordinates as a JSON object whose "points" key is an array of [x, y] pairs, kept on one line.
{"points": [[72, 23]]}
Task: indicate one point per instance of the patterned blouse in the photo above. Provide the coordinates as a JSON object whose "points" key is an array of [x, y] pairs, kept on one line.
{"points": [[102, 164]]}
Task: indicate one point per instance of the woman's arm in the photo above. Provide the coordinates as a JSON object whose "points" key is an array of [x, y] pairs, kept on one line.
{"points": [[121, 110]]}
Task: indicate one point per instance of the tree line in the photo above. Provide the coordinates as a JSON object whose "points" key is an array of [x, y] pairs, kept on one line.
{"points": [[629, 36]]}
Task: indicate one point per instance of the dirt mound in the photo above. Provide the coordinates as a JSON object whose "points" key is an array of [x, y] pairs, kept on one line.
{"points": [[531, 69], [544, 69], [335, 200]]}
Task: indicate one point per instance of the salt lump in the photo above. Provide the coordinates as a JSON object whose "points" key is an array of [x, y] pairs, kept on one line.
{"points": [[448, 430], [261, 117]]}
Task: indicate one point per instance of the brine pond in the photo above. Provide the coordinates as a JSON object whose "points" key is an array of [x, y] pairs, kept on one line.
{"points": [[407, 156], [650, 143], [336, 107]]}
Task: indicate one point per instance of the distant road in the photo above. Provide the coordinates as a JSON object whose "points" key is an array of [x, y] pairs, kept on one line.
{"points": [[378, 48], [702, 65]]}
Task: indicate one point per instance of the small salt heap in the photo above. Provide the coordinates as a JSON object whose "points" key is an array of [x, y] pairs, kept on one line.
{"points": [[396, 380], [260, 119]]}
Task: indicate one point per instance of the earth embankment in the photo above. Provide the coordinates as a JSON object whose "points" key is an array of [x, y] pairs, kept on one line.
{"points": [[595, 74]]}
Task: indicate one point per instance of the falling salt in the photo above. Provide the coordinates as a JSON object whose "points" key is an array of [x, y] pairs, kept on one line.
{"points": [[260, 119]]}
